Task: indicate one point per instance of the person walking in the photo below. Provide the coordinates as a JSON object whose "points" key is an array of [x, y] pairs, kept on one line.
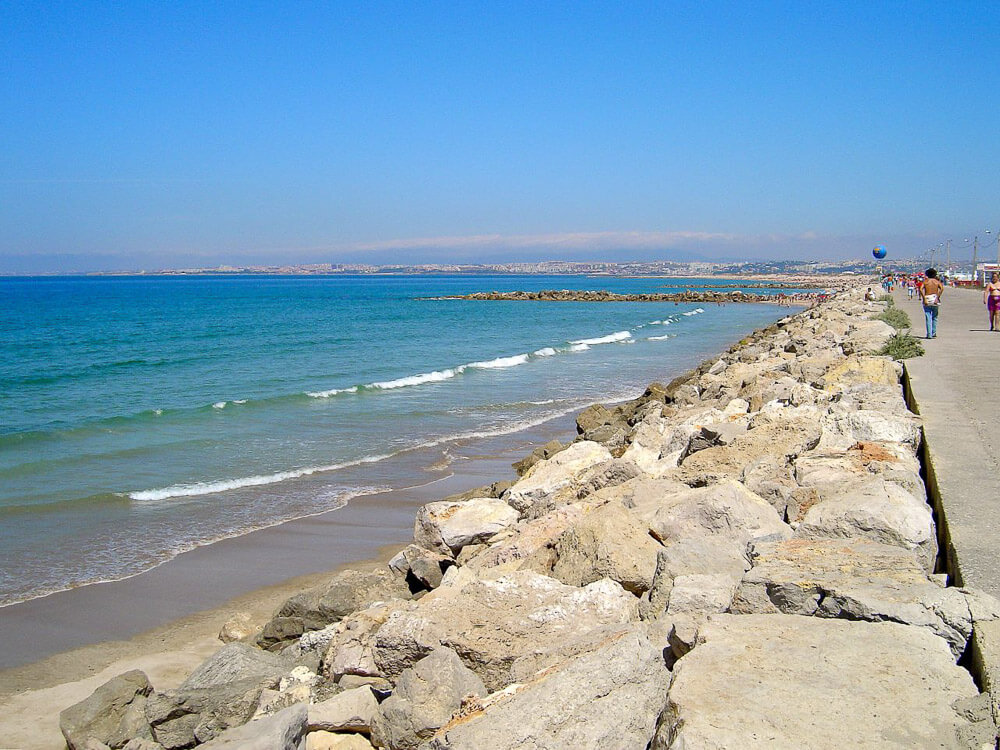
{"points": [[930, 296], [991, 298]]}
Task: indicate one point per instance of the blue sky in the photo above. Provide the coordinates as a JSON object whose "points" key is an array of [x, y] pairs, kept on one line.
{"points": [[143, 135]]}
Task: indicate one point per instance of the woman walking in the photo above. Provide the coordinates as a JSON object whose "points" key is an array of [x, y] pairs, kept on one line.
{"points": [[930, 296], [991, 298]]}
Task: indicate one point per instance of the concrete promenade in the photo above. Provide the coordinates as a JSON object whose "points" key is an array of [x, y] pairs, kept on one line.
{"points": [[955, 387]]}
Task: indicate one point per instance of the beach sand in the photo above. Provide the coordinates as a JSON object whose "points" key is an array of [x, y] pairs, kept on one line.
{"points": [[166, 621]]}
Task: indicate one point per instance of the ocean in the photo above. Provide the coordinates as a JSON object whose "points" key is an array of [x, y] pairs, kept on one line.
{"points": [[141, 417]]}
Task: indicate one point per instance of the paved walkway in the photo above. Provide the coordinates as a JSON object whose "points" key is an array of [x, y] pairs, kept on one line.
{"points": [[956, 390]]}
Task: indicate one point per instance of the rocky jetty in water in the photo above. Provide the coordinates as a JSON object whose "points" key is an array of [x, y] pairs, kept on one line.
{"points": [[578, 295], [744, 557]]}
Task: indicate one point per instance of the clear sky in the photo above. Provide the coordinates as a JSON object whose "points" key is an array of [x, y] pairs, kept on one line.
{"points": [[152, 134]]}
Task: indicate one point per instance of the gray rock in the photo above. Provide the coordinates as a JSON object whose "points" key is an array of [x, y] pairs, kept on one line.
{"points": [[607, 698], [876, 510], [804, 682], [237, 662], [351, 650], [446, 527], [699, 595], [181, 718], [609, 542], [609, 474], [285, 730], [854, 580], [427, 696], [529, 540], [554, 481], [140, 743], [113, 714], [727, 510], [494, 621], [423, 565], [350, 711]]}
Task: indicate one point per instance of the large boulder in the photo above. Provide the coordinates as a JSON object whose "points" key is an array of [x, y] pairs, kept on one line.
{"points": [[347, 592], [876, 510], [842, 430], [783, 439], [866, 336], [554, 481], [606, 698], [853, 580], [803, 682], [348, 711], [530, 539], [113, 714], [609, 542], [237, 662], [350, 651], [285, 730], [727, 510], [862, 370], [446, 526], [426, 697], [501, 625]]}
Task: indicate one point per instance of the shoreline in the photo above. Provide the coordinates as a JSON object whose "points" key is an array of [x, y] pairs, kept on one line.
{"points": [[170, 649]]}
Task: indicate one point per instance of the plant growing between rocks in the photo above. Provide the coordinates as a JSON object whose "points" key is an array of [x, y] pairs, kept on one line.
{"points": [[901, 346], [895, 317]]}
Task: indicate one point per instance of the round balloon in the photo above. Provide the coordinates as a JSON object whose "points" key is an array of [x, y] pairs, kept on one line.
{"points": [[879, 252]]}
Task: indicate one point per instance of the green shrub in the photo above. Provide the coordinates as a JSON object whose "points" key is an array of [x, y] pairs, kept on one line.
{"points": [[901, 346], [887, 298], [896, 317]]}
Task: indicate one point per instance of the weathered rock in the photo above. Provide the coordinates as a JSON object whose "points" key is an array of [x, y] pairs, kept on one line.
{"points": [[786, 681], [607, 698], [612, 473], [183, 717], [237, 662], [285, 730], [593, 417], [113, 714], [427, 696], [351, 650], [609, 542], [447, 527], [349, 711], [699, 595], [527, 540], [541, 453], [493, 622], [347, 592], [841, 431], [877, 510], [554, 481], [239, 627], [336, 741], [141, 743], [424, 567], [727, 510], [853, 580], [857, 370], [783, 439], [866, 336]]}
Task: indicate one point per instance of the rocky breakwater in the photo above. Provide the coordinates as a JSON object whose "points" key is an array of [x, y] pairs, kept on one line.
{"points": [[744, 557], [576, 295]]}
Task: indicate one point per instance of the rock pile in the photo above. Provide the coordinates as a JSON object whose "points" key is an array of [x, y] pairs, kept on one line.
{"points": [[744, 557]]}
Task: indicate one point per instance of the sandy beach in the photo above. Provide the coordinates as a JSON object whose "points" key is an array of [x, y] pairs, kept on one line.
{"points": [[59, 648]]}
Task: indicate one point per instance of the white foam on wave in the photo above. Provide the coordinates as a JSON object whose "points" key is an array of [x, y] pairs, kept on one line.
{"points": [[219, 405], [662, 338], [579, 347], [333, 392], [609, 339], [696, 311], [500, 362], [546, 352], [428, 377], [196, 489]]}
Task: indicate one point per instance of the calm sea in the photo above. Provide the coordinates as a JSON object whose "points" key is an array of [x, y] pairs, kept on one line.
{"points": [[143, 416]]}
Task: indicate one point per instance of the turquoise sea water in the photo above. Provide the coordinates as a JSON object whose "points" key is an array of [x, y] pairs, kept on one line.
{"points": [[142, 416]]}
